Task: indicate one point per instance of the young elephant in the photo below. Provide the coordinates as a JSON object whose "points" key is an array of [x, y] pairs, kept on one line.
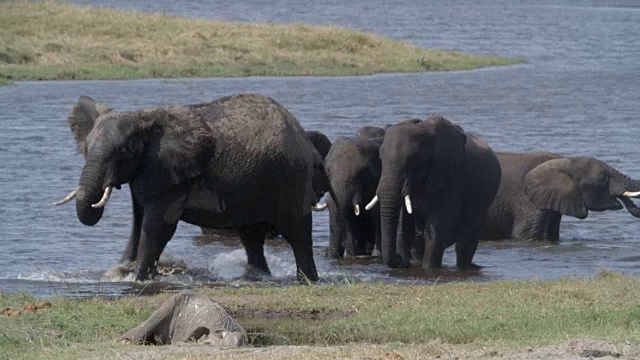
{"points": [[538, 188], [188, 317], [447, 180], [239, 162], [353, 166]]}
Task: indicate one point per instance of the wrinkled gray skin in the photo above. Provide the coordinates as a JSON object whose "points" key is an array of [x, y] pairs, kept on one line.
{"points": [[240, 162], [538, 188], [451, 178], [353, 166], [321, 143], [188, 317]]}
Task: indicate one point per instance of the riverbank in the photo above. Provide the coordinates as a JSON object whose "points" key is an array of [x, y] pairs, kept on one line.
{"points": [[57, 41], [454, 319]]}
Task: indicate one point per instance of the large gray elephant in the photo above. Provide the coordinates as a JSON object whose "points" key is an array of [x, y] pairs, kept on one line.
{"points": [[241, 162], [353, 166], [538, 188], [321, 143], [446, 179]]}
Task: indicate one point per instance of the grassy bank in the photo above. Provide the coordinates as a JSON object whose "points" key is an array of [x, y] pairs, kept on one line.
{"points": [[476, 317], [44, 41]]}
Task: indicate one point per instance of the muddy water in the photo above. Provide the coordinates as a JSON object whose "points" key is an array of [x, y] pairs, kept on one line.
{"points": [[578, 94]]}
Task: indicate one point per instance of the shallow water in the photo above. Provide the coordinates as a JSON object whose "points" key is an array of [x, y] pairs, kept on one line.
{"points": [[578, 94]]}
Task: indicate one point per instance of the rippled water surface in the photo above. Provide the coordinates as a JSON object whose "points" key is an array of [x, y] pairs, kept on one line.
{"points": [[578, 93]]}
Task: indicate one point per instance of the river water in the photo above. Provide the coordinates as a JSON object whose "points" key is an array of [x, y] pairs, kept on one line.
{"points": [[578, 93]]}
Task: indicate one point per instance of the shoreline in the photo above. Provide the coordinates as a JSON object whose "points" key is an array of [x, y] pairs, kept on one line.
{"points": [[57, 41]]}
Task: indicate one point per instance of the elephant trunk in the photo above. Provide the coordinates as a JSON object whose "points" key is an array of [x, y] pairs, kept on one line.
{"points": [[90, 192], [389, 195], [626, 188], [336, 232], [340, 214]]}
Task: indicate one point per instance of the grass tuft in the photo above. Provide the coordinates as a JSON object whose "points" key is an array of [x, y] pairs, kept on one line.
{"points": [[57, 41]]}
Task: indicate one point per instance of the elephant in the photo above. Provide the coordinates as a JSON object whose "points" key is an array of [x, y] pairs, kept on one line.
{"points": [[321, 143], [537, 188], [447, 180], [241, 161], [188, 317], [353, 166]]}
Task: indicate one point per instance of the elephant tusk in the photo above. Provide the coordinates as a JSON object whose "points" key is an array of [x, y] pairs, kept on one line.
{"points": [[407, 203], [356, 209], [105, 198], [319, 207], [373, 203], [68, 197], [631, 194]]}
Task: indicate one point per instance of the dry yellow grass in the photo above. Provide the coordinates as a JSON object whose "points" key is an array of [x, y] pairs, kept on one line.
{"points": [[60, 41]]}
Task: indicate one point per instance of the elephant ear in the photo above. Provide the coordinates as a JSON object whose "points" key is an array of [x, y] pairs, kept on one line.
{"points": [[320, 141], [448, 151], [550, 186], [178, 147], [82, 119]]}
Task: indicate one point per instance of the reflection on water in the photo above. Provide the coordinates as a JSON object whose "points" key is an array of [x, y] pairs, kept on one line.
{"points": [[576, 95]]}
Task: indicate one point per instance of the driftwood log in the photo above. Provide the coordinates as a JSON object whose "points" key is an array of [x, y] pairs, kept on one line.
{"points": [[188, 317]]}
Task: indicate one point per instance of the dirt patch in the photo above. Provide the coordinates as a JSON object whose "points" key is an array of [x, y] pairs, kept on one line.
{"points": [[581, 349], [307, 314], [572, 350]]}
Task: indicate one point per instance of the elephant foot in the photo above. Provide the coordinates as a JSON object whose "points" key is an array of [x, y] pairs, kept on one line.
{"points": [[470, 266], [253, 273], [376, 253], [334, 254]]}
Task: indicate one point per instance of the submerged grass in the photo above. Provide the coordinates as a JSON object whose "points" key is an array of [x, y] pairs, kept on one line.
{"points": [[49, 40], [513, 314]]}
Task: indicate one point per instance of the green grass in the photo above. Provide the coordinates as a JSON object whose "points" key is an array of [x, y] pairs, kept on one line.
{"points": [[49, 40], [512, 314]]}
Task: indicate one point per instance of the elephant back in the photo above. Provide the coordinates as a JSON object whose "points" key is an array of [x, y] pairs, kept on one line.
{"points": [[260, 147], [483, 168], [515, 166]]}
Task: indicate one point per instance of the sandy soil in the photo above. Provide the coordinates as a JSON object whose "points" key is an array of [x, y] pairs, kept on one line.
{"points": [[576, 349]]}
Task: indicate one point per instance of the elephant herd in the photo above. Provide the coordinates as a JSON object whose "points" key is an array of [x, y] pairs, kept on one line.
{"points": [[403, 192]]}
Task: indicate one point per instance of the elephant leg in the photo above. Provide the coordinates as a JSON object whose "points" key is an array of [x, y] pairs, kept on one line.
{"points": [[369, 241], [298, 235], [441, 236], [466, 247], [547, 223], [433, 253], [377, 249], [350, 238], [159, 223], [253, 241], [156, 233], [421, 236], [131, 252], [359, 236], [537, 225], [553, 226]]}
